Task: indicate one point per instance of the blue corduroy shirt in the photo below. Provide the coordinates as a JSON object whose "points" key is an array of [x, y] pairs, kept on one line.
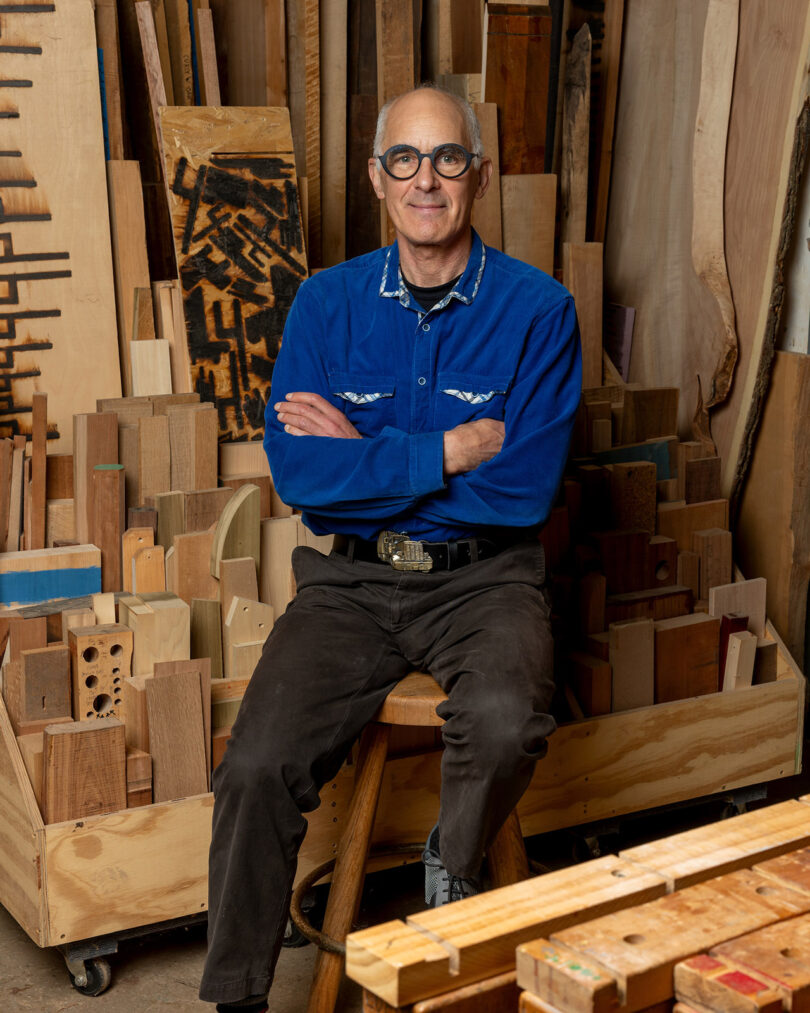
{"points": [[503, 344]]}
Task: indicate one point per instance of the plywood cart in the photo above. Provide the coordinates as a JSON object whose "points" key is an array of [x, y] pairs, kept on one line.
{"points": [[81, 885]]}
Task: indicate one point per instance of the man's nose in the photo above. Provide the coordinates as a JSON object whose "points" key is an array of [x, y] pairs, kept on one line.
{"points": [[426, 177]]}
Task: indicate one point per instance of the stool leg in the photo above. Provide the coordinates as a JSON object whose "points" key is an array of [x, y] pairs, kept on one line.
{"points": [[347, 878], [507, 854]]}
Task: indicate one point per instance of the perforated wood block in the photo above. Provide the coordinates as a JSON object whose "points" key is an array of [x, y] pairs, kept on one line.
{"points": [[100, 660]]}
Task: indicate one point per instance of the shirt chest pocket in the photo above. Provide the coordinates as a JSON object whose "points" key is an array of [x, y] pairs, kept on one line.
{"points": [[463, 397], [368, 400]]}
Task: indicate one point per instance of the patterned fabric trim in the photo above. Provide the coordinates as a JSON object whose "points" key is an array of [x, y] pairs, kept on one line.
{"points": [[471, 397], [349, 395], [402, 293]]}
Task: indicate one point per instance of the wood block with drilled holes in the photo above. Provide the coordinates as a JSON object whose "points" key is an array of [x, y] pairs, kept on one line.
{"points": [[713, 545], [202, 666], [148, 569], [84, 770], [686, 657], [720, 985], [781, 953], [206, 632], [36, 686], [679, 520], [244, 631], [632, 663], [100, 661], [204, 507], [640, 946], [176, 736], [160, 631], [133, 540], [746, 597]]}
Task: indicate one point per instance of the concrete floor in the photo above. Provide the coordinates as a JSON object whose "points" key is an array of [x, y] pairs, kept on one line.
{"points": [[160, 973]]}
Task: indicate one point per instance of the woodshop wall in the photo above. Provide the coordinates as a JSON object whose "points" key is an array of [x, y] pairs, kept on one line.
{"points": [[675, 136]]}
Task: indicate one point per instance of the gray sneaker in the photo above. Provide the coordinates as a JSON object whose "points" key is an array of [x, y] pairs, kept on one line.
{"points": [[440, 886]]}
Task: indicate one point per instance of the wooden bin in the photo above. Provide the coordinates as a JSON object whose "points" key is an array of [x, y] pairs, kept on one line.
{"points": [[72, 881]]}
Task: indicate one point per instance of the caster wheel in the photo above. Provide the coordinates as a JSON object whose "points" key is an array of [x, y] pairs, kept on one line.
{"points": [[98, 976]]}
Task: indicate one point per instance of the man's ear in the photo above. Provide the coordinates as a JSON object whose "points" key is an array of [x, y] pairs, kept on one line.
{"points": [[484, 177], [374, 176]]}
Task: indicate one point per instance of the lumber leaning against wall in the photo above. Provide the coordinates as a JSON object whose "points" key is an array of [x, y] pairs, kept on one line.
{"points": [[58, 312]]}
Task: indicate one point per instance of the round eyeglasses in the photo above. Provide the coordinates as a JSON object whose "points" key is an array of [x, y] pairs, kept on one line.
{"points": [[449, 160]]}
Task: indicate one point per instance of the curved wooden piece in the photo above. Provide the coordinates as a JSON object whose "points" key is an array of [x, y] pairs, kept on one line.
{"points": [[413, 701], [708, 183]]}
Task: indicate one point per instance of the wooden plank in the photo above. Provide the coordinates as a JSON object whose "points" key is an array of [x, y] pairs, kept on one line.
{"points": [[84, 770], [686, 657], [36, 686], [649, 413], [108, 522], [713, 546], [746, 597], [95, 441], [57, 244], [774, 540], [199, 140], [333, 106], [720, 985], [15, 516], [44, 574], [632, 494], [206, 633], [176, 736], [209, 76], [130, 262], [150, 891], [148, 569], [153, 457], [528, 204], [609, 64], [279, 536], [264, 484], [161, 632], [701, 479], [6, 457], [32, 751], [237, 578], [202, 668], [237, 532], [565, 979], [693, 856], [179, 35], [171, 517], [653, 603], [190, 575], [245, 628], [632, 663], [707, 913], [590, 679], [680, 520], [486, 212], [39, 437], [582, 276], [203, 507], [575, 130], [103, 605], [106, 19], [193, 438], [516, 63], [150, 367], [132, 540], [739, 668]]}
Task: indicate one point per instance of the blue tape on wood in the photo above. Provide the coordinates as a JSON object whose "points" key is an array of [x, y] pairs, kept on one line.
{"points": [[27, 587], [657, 452]]}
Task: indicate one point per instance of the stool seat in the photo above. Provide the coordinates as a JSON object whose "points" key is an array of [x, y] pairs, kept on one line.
{"points": [[413, 701]]}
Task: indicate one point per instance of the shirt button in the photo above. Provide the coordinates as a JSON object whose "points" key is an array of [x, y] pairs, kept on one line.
{"points": [[422, 381], [425, 327]]}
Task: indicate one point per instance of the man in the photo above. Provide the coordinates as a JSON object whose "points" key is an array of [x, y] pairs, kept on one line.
{"points": [[421, 409]]}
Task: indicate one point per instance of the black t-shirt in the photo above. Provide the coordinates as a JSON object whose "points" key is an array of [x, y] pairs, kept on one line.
{"points": [[428, 297]]}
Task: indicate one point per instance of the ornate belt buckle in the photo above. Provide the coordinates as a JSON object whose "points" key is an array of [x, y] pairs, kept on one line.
{"points": [[401, 553]]}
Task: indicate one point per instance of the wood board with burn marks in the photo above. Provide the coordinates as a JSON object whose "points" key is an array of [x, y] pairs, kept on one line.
{"points": [[236, 219], [57, 301]]}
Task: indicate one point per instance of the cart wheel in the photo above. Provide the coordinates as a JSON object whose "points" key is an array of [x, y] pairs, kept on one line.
{"points": [[293, 936], [97, 974]]}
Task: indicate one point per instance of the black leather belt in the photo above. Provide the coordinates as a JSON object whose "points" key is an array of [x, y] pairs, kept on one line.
{"points": [[445, 555]]}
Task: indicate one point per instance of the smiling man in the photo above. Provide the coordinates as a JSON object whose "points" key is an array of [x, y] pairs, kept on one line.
{"points": [[421, 410]]}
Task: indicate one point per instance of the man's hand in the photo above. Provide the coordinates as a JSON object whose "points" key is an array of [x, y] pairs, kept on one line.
{"points": [[306, 414], [470, 444]]}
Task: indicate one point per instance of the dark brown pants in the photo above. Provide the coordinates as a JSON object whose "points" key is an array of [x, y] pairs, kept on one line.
{"points": [[352, 632]]}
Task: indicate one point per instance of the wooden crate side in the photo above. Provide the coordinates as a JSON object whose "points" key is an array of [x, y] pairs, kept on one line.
{"points": [[22, 891], [136, 867]]}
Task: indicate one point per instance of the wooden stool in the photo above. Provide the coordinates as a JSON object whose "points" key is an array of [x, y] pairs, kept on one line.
{"points": [[412, 701]]}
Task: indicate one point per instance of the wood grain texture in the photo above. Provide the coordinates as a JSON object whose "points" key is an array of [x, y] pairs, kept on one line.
{"points": [[108, 522], [209, 75], [333, 107], [219, 156], [486, 212], [55, 249], [528, 205], [84, 770], [95, 441], [575, 129], [176, 736], [582, 276]]}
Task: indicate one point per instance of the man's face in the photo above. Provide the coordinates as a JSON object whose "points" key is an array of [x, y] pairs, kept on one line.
{"points": [[428, 210]]}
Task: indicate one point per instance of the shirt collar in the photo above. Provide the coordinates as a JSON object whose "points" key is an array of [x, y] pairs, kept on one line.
{"points": [[392, 285]]}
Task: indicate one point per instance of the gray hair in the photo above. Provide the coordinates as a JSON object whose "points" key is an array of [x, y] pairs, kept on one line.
{"points": [[470, 119]]}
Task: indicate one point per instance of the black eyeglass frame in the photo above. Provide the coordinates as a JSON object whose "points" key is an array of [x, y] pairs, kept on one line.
{"points": [[430, 156]]}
